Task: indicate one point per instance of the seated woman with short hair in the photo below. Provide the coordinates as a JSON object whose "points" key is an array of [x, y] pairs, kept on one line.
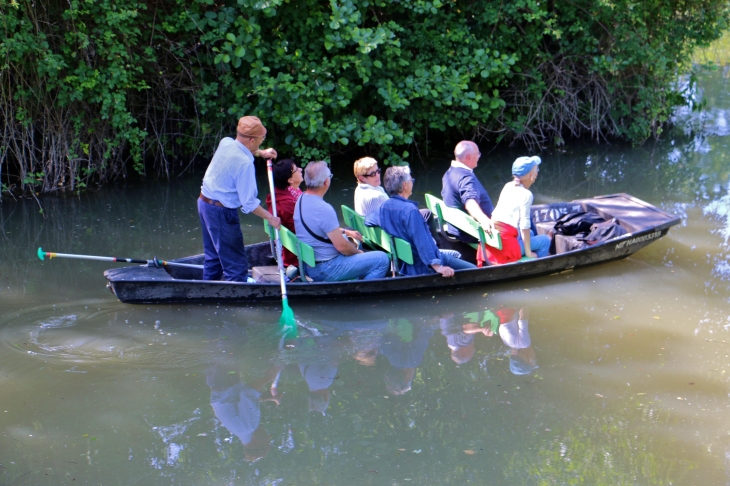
{"points": [[369, 194], [512, 217], [400, 217]]}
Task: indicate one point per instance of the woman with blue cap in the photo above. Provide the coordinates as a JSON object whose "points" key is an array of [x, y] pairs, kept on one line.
{"points": [[512, 216]]}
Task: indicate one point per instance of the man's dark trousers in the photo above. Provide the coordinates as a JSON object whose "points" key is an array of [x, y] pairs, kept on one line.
{"points": [[222, 243]]}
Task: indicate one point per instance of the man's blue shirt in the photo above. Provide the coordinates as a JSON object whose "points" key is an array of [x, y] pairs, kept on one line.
{"points": [[400, 217], [230, 177]]}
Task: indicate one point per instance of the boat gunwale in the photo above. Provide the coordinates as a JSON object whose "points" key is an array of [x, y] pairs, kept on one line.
{"points": [[268, 291]]}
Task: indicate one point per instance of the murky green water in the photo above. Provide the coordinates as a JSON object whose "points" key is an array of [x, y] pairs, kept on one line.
{"points": [[616, 374]]}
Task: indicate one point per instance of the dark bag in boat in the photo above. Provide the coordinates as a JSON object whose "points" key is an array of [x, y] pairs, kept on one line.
{"points": [[603, 232], [572, 224]]}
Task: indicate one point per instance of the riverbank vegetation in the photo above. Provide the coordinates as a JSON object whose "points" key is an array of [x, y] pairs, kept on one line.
{"points": [[91, 91]]}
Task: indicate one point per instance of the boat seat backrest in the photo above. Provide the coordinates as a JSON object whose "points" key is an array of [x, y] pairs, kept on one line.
{"points": [[377, 237], [462, 221], [303, 251]]}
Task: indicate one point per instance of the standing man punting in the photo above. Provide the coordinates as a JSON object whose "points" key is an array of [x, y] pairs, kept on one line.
{"points": [[229, 184]]}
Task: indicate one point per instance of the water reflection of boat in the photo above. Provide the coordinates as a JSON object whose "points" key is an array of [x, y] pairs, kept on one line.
{"points": [[513, 329], [333, 366], [644, 222]]}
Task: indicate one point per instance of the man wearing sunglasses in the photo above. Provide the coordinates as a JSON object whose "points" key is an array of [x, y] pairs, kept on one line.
{"points": [[230, 183]]}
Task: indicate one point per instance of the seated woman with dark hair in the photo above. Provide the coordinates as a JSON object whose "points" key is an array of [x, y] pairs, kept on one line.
{"points": [[287, 178], [401, 218]]}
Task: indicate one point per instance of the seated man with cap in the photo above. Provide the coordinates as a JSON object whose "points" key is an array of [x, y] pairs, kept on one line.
{"points": [[229, 183], [316, 224], [512, 216]]}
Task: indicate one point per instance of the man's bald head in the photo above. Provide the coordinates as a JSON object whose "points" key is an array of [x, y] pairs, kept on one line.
{"points": [[467, 153]]}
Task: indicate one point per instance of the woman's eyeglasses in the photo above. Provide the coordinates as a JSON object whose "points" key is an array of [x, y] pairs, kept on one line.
{"points": [[372, 174], [296, 169]]}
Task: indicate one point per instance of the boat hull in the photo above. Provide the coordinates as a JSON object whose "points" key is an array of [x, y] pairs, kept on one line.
{"points": [[144, 285]]}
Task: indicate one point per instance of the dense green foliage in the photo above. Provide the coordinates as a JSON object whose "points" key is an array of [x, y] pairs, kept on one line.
{"points": [[92, 89]]}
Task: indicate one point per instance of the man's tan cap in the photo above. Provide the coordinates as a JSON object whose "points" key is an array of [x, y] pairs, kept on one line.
{"points": [[251, 126]]}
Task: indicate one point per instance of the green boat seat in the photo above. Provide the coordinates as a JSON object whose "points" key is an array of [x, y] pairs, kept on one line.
{"points": [[463, 222], [303, 251], [376, 237]]}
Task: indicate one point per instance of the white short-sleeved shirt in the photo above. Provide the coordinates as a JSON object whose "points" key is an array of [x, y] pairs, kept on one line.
{"points": [[513, 207]]}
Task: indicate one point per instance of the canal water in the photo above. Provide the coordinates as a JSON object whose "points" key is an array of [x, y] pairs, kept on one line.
{"points": [[613, 374]]}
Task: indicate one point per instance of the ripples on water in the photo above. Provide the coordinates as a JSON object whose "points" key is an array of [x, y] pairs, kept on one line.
{"points": [[98, 338]]}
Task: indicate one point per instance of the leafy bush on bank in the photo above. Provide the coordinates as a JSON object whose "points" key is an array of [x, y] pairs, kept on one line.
{"points": [[91, 90]]}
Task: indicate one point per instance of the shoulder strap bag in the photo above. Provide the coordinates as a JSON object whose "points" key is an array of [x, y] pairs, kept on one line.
{"points": [[301, 218]]}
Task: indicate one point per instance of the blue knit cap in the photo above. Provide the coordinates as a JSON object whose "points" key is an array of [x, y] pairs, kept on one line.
{"points": [[523, 165]]}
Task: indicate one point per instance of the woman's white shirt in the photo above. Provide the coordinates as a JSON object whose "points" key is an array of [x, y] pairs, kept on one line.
{"points": [[368, 198], [513, 207]]}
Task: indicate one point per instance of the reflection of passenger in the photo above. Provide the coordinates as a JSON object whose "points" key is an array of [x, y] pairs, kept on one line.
{"points": [[514, 333], [404, 346], [319, 378], [460, 337], [460, 343], [237, 406], [366, 356], [360, 339], [318, 357]]}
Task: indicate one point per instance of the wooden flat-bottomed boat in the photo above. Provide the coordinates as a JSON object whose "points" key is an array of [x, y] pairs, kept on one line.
{"points": [[643, 222]]}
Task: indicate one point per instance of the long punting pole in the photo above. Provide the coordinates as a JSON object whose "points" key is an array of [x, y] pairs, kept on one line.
{"points": [[152, 263]]}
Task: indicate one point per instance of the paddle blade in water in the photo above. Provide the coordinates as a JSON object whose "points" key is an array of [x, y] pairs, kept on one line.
{"points": [[288, 322]]}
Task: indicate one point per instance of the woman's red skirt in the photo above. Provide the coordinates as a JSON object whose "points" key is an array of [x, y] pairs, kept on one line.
{"points": [[510, 251]]}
